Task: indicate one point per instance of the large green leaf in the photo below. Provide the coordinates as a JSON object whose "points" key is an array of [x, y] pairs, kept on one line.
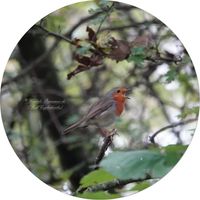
{"points": [[96, 177], [173, 153], [170, 156], [131, 164], [137, 164], [160, 169]]}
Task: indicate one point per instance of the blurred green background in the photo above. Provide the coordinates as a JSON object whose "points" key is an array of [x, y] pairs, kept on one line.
{"points": [[37, 100]]}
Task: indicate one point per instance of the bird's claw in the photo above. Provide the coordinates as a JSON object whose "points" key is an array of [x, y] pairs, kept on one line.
{"points": [[112, 133]]}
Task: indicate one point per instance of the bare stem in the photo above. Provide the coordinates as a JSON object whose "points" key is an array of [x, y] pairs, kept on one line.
{"points": [[57, 35], [112, 184], [107, 142], [152, 137]]}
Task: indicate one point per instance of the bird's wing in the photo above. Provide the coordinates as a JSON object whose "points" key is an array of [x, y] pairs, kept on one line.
{"points": [[99, 107], [74, 126]]}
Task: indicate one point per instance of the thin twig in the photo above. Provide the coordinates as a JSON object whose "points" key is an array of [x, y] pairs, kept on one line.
{"points": [[131, 25], [102, 21], [112, 184], [164, 59], [57, 35], [88, 18], [152, 137], [162, 107]]}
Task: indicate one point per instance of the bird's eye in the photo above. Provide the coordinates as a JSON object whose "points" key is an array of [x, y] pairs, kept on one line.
{"points": [[118, 91]]}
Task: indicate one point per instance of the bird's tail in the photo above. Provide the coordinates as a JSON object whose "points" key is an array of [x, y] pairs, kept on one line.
{"points": [[74, 126]]}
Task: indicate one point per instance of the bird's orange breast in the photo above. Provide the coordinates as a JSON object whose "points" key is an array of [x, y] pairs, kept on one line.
{"points": [[119, 101], [119, 108]]}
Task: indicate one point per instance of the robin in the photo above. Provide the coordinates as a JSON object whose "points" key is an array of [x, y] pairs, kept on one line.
{"points": [[104, 112]]}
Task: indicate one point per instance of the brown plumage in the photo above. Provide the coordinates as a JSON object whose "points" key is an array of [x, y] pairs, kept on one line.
{"points": [[104, 112]]}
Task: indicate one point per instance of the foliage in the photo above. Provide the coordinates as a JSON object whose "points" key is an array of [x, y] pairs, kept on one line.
{"points": [[189, 111], [137, 164], [99, 45], [131, 164], [141, 186], [171, 75], [98, 195], [137, 55], [96, 177]]}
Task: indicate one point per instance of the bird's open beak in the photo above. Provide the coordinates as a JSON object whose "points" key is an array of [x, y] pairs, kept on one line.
{"points": [[128, 90]]}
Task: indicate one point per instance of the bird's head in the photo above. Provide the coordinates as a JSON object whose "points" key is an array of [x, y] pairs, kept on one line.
{"points": [[119, 94]]}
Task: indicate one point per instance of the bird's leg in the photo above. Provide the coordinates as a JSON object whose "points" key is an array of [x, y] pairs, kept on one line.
{"points": [[106, 133], [113, 132]]}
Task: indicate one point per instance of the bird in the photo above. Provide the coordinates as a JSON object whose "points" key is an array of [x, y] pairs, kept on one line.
{"points": [[104, 112]]}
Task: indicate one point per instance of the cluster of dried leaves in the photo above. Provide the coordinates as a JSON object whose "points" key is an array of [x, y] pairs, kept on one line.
{"points": [[114, 49]]}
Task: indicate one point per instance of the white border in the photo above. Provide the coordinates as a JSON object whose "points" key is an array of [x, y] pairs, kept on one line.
{"points": [[16, 17]]}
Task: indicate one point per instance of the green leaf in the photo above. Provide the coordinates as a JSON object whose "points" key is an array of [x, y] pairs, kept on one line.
{"points": [[141, 186], [160, 169], [137, 164], [83, 49], [189, 111], [96, 177], [137, 55], [138, 50], [171, 155], [171, 75], [138, 58], [131, 164], [98, 195]]}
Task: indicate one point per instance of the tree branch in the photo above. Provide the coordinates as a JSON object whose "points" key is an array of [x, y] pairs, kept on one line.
{"points": [[44, 56], [131, 25], [107, 14], [162, 107], [57, 35], [30, 67], [107, 142], [152, 137], [161, 59], [112, 184]]}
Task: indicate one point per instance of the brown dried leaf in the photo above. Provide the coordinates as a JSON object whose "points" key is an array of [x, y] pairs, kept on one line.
{"points": [[120, 49], [91, 34], [83, 59], [86, 63], [79, 69], [93, 60], [96, 60]]}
